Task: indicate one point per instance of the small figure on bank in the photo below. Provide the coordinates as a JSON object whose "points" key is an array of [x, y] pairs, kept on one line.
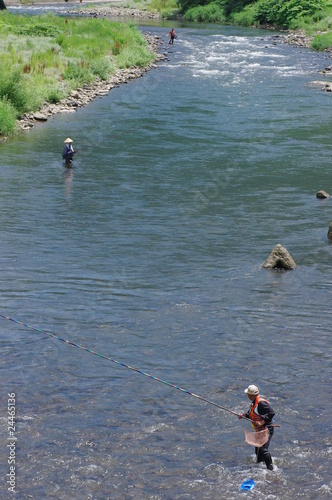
{"points": [[171, 35], [68, 151], [261, 415]]}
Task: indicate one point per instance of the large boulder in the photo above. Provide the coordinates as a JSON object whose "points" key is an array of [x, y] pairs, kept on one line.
{"points": [[40, 117], [279, 258], [322, 195]]}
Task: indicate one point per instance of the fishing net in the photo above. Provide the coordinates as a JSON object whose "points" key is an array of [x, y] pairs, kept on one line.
{"points": [[257, 438]]}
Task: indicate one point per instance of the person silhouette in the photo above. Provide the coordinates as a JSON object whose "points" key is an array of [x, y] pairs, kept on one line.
{"points": [[171, 35], [68, 151], [261, 415]]}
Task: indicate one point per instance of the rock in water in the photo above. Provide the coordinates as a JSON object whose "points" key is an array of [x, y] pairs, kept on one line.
{"points": [[322, 195], [279, 258], [329, 232], [40, 117]]}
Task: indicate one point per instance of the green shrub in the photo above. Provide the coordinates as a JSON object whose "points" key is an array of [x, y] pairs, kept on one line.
{"points": [[135, 56], [246, 17], [8, 117], [283, 12], [80, 73], [322, 42], [54, 95], [169, 13], [232, 6], [166, 8], [12, 87], [62, 40], [102, 68], [211, 13], [185, 5]]}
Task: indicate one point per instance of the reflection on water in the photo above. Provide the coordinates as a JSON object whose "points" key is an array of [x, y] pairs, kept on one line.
{"points": [[149, 250], [68, 177]]}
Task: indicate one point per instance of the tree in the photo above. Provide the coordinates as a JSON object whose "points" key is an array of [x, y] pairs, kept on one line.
{"points": [[235, 5], [188, 4], [2, 5]]}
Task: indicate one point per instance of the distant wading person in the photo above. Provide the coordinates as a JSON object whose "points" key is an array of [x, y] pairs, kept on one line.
{"points": [[261, 415], [171, 36], [68, 151]]}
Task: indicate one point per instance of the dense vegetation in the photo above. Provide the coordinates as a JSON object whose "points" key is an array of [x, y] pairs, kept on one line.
{"points": [[307, 14], [43, 58]]}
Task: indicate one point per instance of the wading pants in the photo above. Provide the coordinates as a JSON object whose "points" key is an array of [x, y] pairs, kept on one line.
{"points": [[262, 453]]}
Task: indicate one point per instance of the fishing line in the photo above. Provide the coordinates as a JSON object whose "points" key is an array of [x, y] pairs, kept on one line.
{"points": [[108, 358], [106, 139]]}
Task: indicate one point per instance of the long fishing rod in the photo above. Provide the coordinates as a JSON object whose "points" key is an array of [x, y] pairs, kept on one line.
{"points": [[137, 370], [103, 140]]}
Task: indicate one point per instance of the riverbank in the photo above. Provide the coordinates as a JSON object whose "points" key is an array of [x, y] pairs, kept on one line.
{"points": [[298, 38], [114, 10], [89, 92], [53, 64]]}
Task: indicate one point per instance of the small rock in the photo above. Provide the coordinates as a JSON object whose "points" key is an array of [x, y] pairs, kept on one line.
{"points": [[329, 232], [279, 258], [40, 117], [322, 195]]}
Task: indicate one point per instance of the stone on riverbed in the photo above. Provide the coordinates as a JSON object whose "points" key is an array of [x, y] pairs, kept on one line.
{"points": [[40, 117], [329, 232], [322, 195], [279, 258]]}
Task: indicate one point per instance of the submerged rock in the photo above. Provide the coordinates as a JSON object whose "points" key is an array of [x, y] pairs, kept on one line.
{"points": [[279, 258], [322, 195], [329, 232]]}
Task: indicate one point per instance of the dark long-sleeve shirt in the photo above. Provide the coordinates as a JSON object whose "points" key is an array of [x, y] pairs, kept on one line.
{"points": [[265, 411]]}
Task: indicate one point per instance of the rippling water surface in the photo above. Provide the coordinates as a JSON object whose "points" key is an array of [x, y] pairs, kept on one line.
{"points": [[149, 251]]}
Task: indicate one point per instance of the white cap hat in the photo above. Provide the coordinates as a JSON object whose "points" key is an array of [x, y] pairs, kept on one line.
{"points": [[68, 140], [252, 390]]}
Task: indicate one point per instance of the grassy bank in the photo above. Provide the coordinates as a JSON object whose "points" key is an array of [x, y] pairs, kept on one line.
{"points": [[286, 14], [43, 58], [310, 16]]}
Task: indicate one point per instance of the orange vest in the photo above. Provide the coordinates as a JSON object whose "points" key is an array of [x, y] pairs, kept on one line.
{"points": [[253, 415]]}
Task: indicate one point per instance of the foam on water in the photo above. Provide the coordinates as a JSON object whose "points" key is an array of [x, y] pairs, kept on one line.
{"points": [[240, 58]]}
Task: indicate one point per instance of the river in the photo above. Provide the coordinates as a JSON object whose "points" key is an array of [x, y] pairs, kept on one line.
{"points": [[149, 251]]}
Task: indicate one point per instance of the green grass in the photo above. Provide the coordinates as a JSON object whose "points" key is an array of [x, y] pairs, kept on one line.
{"points": [[293, 14], [211, 13], [43, 58], [246, 17], [168, 9], [8, 116], [322, 42]]}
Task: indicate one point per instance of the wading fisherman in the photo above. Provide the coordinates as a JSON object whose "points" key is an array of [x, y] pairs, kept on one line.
{"points": [[68, 151], [261, 415], [171, 36]]}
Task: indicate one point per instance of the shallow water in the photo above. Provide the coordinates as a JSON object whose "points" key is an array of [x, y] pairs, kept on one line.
{"points": [[149, 251]]}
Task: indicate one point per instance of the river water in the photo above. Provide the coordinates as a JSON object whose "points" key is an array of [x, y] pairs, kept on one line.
{"points": [[149, 251]]}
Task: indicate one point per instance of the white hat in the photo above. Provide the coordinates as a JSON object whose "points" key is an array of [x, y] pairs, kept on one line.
{"points": [[252, 390], [68, 140]]}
